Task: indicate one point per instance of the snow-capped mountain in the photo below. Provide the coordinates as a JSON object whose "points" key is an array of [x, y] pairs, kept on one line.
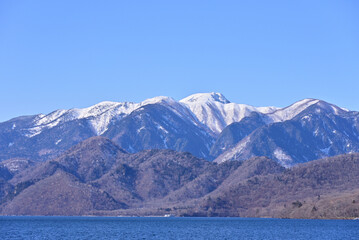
{"points": [[319, 130], [235, 132], [156, 126], [204, 124], [213, 110], [216, 112], [134, 125], [293, 110], [99, 115]]}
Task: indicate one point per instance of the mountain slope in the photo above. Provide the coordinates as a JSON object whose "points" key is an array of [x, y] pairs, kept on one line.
{"points": [[61, 194], [204, 124], [313, 190], [236, 131], [42, 137], [321, 130], [96, 177], [157, 127], [216, 112]]}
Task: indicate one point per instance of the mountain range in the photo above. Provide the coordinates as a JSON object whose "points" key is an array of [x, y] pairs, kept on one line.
{"points": [[206, 125], [97, 177]]}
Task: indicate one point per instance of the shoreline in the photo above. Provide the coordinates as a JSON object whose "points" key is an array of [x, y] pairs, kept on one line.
{"points": [[166, 217]]}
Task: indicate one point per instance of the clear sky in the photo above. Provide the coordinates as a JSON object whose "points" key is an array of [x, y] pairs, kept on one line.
{"points": [[66, 54]]}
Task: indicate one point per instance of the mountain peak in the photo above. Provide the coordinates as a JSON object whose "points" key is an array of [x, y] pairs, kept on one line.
{"points": [[95, 143], [304, 103], [308, 102], [205, 97], [159, 99], [291, 111]]}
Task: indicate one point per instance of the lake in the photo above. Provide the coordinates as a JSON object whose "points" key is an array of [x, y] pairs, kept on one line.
{"points": [[174, 228]]}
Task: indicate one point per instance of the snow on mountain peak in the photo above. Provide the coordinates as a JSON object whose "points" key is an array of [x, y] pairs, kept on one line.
{"points": [[291, 111], [216, 112], [205, 97], [98, 115], [159, 99], [212, 110]]}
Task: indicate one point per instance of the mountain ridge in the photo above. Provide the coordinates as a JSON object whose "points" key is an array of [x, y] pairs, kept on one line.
{"points": [[319, 131], [96, 177], [205, 124]]}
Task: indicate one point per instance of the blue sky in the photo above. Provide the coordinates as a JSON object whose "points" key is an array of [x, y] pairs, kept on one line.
{"points": [[66, 54]]}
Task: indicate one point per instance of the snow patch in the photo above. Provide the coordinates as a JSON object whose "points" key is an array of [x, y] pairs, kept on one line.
{"points": [[162, 129], [316, 132], [32, 132], [140, 129], [284, 159], [325, 150], [235, 152], [15, 164]]}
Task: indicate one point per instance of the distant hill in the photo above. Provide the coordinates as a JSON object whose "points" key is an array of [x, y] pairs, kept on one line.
{"points": [[97, 177]]}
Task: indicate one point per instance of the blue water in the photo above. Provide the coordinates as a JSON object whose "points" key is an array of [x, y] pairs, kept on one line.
{"points": [[174, 228]]}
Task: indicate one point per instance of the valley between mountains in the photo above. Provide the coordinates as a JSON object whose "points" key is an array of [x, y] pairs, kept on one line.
{"points": [[200, 156]]}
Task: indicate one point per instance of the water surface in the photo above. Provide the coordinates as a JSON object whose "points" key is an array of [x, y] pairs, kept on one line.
{"points": [[174, 228]]}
